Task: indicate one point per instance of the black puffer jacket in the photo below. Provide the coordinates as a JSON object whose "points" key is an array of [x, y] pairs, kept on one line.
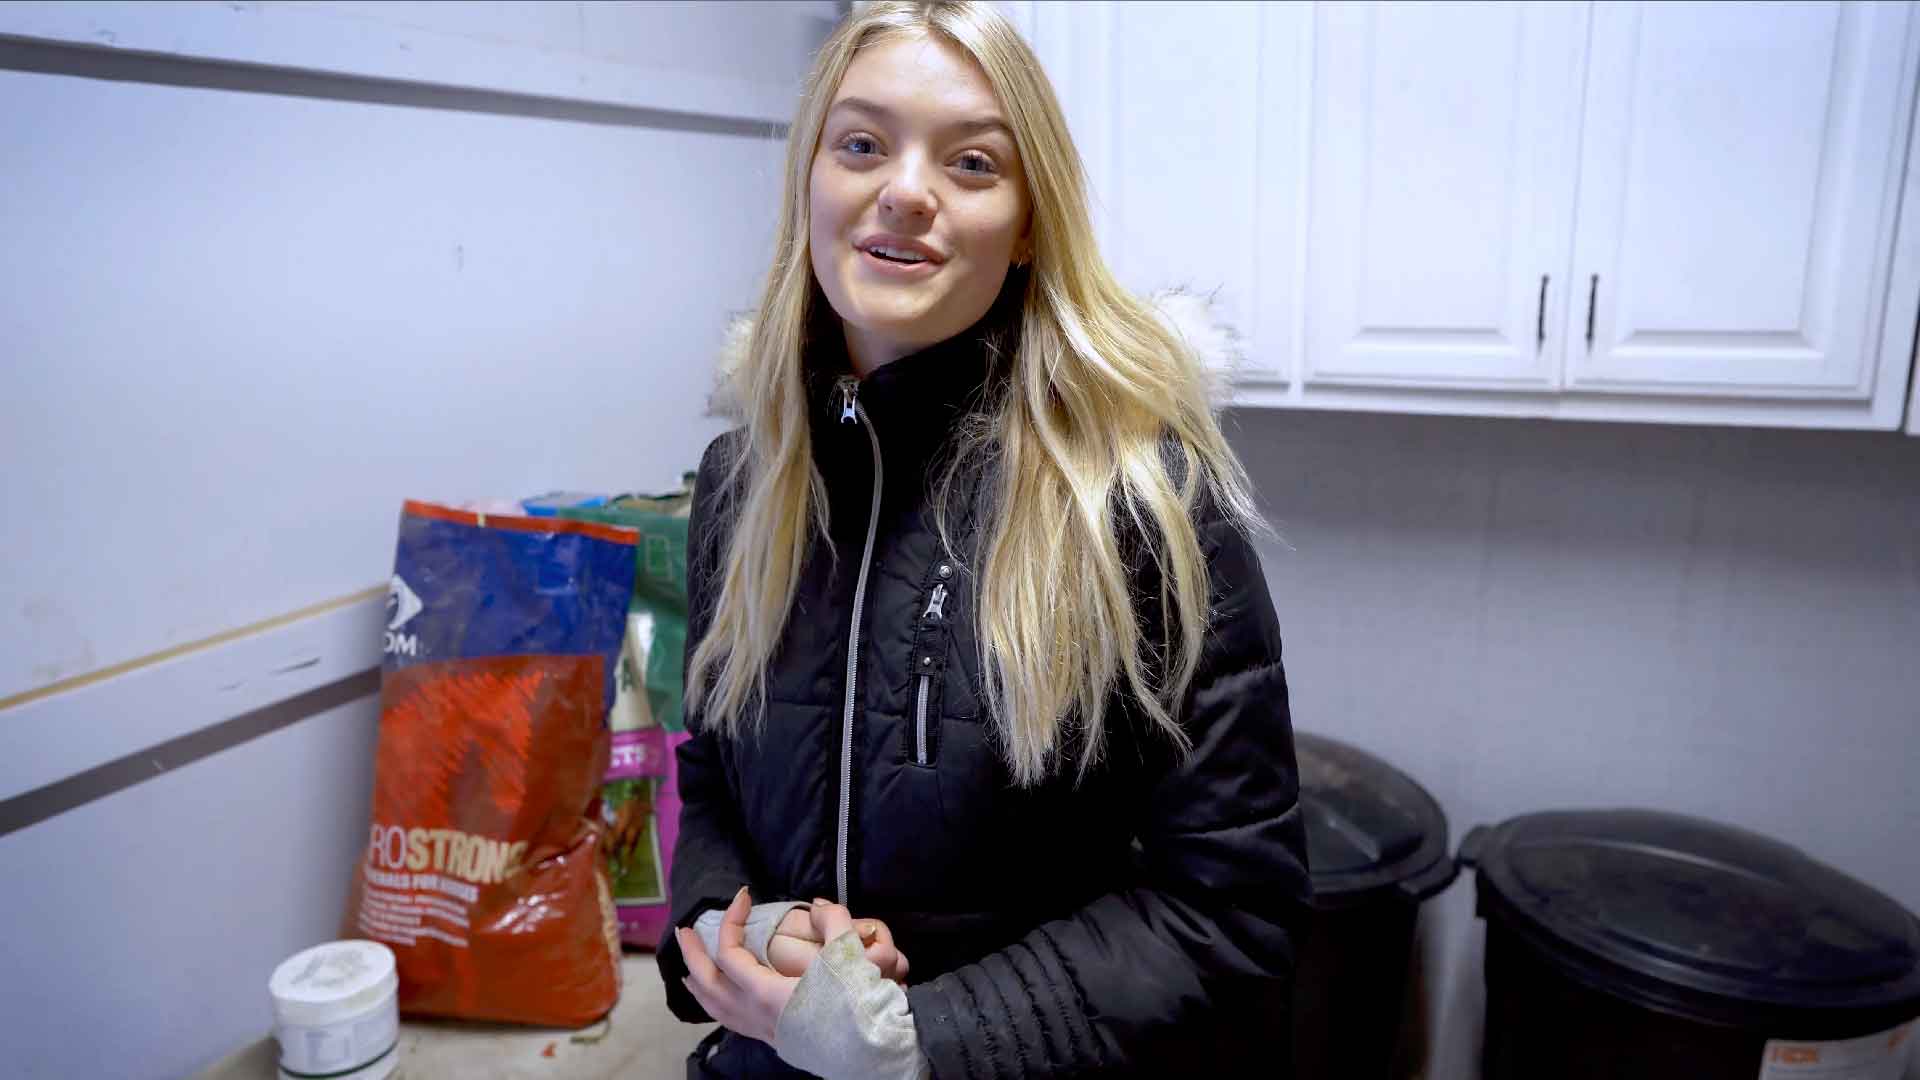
{"points": [[1139, 921]]}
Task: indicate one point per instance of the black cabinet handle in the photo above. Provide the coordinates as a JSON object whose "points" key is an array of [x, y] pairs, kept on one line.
{"points": [[1540, 317], [1593, 291]]}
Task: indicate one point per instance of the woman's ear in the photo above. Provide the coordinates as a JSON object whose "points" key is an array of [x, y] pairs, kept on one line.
{"points": [[1023, 247]]}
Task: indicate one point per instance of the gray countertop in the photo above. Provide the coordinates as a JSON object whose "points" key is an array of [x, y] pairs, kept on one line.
{"points": [[642, 1041]]}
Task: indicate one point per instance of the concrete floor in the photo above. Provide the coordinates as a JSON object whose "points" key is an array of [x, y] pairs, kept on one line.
{"points": [[643, 1042]]}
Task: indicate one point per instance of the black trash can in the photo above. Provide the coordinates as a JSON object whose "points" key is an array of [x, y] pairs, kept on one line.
{"points": [[1632, 943], [1377, 846]]}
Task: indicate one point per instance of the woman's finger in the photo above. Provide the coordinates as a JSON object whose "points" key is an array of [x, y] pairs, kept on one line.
{"points": [[699, 965], [735, 960], [710, 1007], [724, 1011], [880, 948], [830, 920], [884, 956], [798, 923], [733, 921], [705, 981], [706, 970]]}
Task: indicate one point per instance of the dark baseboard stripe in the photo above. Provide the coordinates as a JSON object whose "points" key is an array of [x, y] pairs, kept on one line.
{"points": [[159, 69], [33, 807]]}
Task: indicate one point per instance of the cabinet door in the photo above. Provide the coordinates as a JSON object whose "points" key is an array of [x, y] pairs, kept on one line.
{"points": [[1188, 118], [1442, 160], [1738, 189]]}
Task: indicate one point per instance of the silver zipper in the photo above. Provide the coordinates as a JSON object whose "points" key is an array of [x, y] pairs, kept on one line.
{"points": [[852, 412], [920, 723], [936, 610]]}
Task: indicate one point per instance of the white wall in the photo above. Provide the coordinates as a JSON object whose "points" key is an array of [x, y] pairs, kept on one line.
{"points": [[311, 297], [140, 929], [245, 310], [1526, 615]]}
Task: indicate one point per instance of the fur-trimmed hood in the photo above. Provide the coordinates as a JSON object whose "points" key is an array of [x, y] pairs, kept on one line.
{"points": [[1191, 315]]}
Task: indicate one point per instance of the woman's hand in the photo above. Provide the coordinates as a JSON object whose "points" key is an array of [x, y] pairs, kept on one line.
{"points": [[845, 1017], [738, 991], [797, 941]]}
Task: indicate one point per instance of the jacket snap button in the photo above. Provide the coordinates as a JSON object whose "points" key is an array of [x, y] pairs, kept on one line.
{"points": [[946, 571], [926, 661]]}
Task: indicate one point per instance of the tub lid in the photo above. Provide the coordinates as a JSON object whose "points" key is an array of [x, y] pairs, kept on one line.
{"points": [[1371, 831], [1702, 920], [333, 980]]}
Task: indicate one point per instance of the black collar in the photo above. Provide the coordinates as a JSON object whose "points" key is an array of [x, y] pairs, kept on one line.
{"points": [[915, 402]]}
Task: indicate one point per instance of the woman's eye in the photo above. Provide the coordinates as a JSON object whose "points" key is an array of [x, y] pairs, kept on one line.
{"points": [[858, 144], [976, 163]]}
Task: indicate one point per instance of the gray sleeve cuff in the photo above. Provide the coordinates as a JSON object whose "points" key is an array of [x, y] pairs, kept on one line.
{"points": [[847, 1021], [762, 921]]}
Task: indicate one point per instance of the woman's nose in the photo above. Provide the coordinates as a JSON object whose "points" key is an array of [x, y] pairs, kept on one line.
{"points": [[907, 193]]}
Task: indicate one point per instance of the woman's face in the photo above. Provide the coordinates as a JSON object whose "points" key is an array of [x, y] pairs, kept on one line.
{"points": [[918, 201]]}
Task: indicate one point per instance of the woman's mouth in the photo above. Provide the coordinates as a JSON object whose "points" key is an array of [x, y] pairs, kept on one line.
{"points": [[896, 262], [896, 254]]}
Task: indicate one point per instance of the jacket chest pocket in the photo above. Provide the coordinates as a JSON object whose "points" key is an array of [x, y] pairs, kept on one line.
{"points": [[935, 680]]}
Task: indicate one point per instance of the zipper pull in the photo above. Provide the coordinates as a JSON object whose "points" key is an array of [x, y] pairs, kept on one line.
{"points": [[935, 604], [849, 399]]}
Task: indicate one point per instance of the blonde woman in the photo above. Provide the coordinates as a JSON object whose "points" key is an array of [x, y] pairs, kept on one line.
{"points": [[992, 771]]}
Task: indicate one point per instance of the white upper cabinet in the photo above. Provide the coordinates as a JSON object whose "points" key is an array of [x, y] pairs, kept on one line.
{"points": [[1738, 194], [1685, 212], [1181, 113], [1440, 208], [1178, 190]]}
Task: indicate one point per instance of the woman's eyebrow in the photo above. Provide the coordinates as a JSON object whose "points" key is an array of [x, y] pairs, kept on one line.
{"points": [[886, 115]]}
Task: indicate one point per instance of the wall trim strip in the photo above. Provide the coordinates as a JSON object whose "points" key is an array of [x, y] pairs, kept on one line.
{"points": [[127, 65], [51, 800], [74, 682]]}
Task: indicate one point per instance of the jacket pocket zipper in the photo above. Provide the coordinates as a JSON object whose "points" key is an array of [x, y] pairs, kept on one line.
{"points": [[936, 610], [920, 721]]}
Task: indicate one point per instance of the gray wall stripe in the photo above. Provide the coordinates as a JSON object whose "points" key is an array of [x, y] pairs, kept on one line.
{"points": [[125, 65], [51, 800]]}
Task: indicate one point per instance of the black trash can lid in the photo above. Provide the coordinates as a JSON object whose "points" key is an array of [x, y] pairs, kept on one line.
{"points": [[1371, 831], [1701, 920]]}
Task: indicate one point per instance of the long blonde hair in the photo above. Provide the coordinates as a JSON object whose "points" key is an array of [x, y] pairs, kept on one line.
{"points": [[1103, 430]]}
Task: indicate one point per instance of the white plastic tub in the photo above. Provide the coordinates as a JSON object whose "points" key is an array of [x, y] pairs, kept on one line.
{"points": [[336, 1012]]}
